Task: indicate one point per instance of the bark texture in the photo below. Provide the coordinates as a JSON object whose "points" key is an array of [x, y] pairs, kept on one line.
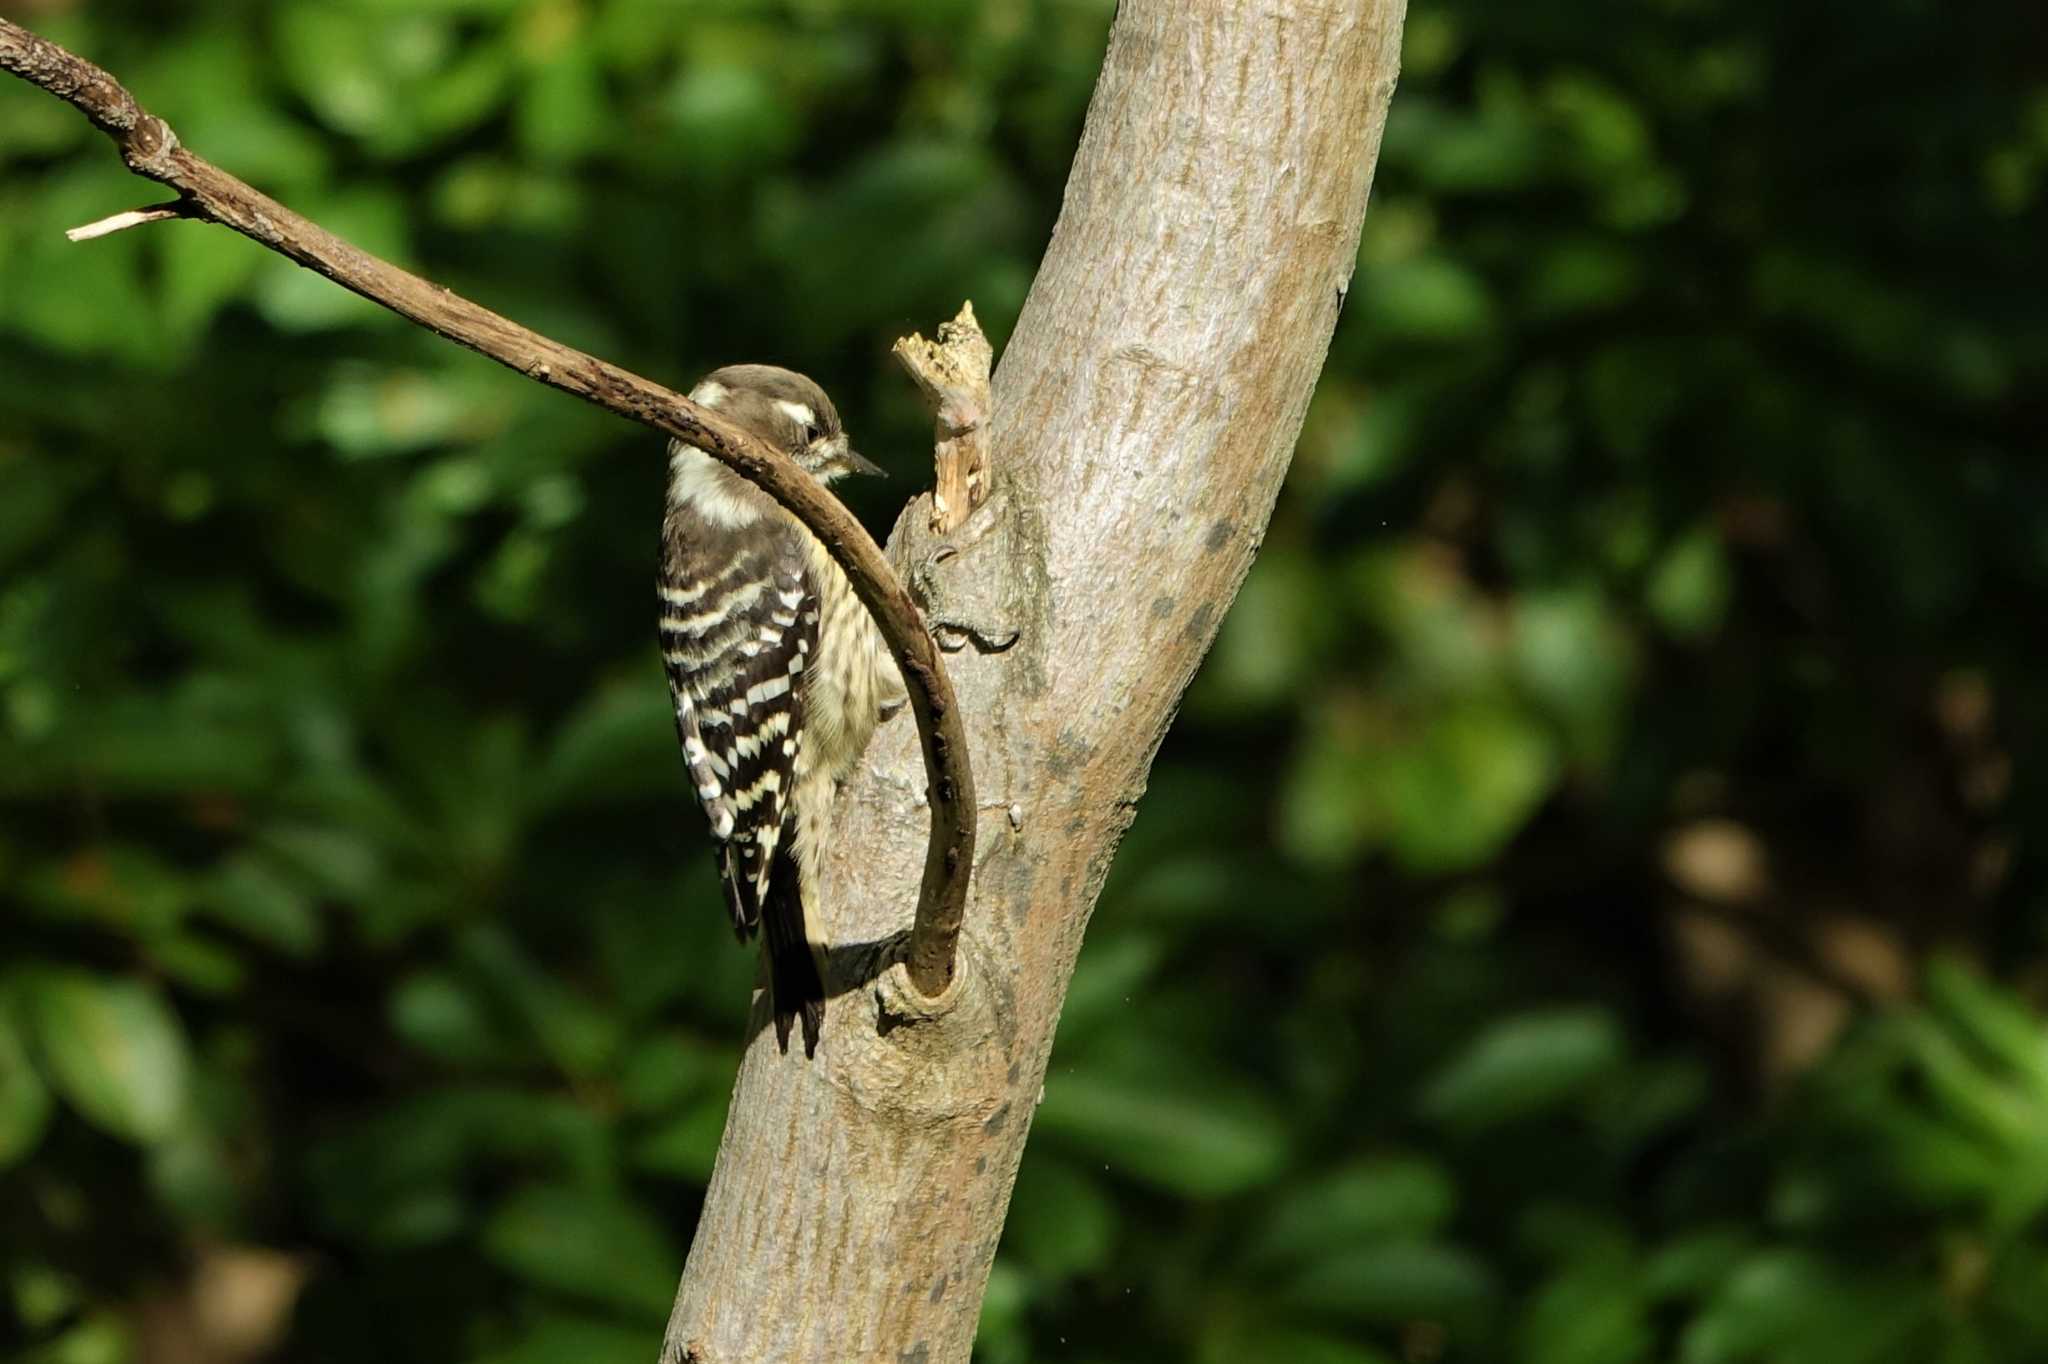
{"points": [[1144, 415]]}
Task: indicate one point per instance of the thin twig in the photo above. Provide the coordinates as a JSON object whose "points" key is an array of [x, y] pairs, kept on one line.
{"points": [[152, 150], [121, 222]]}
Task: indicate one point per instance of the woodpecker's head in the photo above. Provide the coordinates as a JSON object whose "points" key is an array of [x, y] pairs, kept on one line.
{"points": [[788, 411]]}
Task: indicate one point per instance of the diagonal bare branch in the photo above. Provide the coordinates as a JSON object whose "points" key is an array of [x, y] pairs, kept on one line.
{"points": [[152, 150]]}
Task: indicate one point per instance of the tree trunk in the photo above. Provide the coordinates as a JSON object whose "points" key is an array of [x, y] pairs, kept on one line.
{"points": [[1145, 413]]}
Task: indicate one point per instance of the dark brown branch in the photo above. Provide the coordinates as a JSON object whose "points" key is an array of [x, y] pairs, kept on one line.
{"points": [[152, 150]]}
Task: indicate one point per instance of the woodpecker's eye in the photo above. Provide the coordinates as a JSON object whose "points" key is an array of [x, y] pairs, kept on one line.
{"points": [[810, 433]]}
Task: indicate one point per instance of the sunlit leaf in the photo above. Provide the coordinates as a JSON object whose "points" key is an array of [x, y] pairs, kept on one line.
{"points": [[1429, 299], [113, 1049], [1688, 590]]}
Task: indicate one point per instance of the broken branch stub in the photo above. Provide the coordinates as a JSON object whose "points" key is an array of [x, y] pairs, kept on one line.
{"points": [[952, 372]]}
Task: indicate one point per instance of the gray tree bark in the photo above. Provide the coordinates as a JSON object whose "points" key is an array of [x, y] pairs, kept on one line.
{"points": [[1144, 416]]}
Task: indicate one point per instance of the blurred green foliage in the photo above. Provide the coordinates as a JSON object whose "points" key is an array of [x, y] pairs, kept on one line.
{"points": [[1649, 632]]}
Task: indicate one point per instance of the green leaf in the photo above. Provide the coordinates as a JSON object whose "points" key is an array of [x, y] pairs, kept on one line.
{"points": [[1003, 1335], [1276, 634], [663, 1071], [85, 302], [1458, 153], [175, 744], [396, 1178], [113, 1049], [1432, 298], [1401, 1281], [581, 1037], [204, 269], [1453, 794], [1522, 1066], [1993, 1020], [563, 113], [583, 1340], [339, 862], [1112, 968], [619, 745], [1695, 1262], [195, 1176], [400, 83], [102, 1338], [1593, 1313], [256, 895], [686, 1146], [197, 964], [911, 219], [43, 1295], [1061, 1221], [24, 1099], [1394, 1197], [1792, 1305], [436, 1012], [1194, 1139], [1688, 591], [586, 1243], [1570, 654], [726, 116]]}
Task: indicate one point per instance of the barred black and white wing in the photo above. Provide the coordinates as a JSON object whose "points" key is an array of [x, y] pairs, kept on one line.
{"points": [[738, 626]]}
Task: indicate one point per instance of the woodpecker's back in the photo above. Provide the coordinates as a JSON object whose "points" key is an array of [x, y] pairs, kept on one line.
{"points": [[777, 673]]}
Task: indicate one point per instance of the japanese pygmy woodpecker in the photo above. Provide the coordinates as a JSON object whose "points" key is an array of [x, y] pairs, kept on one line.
{"points": [[778, 674]]}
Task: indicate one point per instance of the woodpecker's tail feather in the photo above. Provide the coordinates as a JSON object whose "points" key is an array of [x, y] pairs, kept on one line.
{"points": [[794, 985], [739, 892]]}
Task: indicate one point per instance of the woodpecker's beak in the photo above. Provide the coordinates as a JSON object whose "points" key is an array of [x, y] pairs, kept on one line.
{"points": [[857, 463]]}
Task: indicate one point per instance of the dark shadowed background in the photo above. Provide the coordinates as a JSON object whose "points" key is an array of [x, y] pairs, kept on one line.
{"points": [[1590, 910]]}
